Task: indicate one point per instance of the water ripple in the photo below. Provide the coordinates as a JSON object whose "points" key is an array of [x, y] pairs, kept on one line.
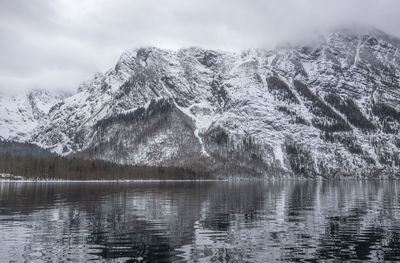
{"points": [[304, 221]]}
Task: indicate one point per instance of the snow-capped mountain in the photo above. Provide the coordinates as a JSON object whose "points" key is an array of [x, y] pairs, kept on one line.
{"points": [[329, 108], [21, 114]]}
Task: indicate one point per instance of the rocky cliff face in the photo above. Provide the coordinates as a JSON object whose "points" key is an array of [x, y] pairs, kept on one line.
{"points": [[327, 109], [21, 114]]}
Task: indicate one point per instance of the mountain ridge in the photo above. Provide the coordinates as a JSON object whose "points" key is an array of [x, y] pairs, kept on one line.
{"points": [[322, 110], [20, 114]]}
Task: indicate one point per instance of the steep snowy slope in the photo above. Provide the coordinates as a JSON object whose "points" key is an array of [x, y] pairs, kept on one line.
{"points": [[327, 109], [19, 115]]}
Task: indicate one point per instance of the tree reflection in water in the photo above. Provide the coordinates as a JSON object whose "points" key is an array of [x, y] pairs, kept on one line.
{"points": [[219, 221]]}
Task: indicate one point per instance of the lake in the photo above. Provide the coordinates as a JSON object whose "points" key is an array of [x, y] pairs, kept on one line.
{"points": [[252, 221]]}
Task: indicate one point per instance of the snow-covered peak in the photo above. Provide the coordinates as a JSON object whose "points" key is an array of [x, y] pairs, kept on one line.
{"points": [[326, 107], [20, 114]]}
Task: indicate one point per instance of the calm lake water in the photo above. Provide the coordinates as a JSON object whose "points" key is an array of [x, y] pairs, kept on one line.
{"points": [[257, 221]]}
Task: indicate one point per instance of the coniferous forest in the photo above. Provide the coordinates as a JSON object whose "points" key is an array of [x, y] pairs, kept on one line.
{"points": [[72, 168]]}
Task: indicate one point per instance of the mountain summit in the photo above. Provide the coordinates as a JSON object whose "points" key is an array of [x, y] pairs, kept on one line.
{"points": [[327, 109]]}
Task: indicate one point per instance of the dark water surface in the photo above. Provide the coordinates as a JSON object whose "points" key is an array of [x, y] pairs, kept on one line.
{"points": [[306, 221]]}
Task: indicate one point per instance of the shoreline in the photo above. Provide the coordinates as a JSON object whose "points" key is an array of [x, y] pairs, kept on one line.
{"points": [[195, 180], [106, 181]]}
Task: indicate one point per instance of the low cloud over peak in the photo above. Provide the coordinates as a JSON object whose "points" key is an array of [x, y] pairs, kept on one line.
{"points": [[57, 44]]}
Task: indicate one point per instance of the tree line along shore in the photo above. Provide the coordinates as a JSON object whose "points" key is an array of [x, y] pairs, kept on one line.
{"points": [[73, 168]]}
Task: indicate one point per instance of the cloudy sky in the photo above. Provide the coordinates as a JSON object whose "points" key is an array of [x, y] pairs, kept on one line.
{"points": [[57, 44]]}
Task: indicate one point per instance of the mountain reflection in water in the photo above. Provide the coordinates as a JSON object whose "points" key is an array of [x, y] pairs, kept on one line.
{"points": [[204, 221]]}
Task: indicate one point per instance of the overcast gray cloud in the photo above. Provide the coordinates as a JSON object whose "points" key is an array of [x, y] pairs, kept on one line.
{"points": [[57, 44]]}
